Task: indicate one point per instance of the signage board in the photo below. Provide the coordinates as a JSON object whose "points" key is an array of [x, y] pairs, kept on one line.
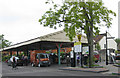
{"points": [[108, 52], [77, 47], [79, 37], [71, 54]]}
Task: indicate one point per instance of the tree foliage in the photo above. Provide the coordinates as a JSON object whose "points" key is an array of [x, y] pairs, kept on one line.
{"points": [[117, 40], [76, 16], [98, 46], [3, 42]]}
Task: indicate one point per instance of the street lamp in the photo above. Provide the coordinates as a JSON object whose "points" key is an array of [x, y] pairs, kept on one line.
{"points": [[105, 34]]}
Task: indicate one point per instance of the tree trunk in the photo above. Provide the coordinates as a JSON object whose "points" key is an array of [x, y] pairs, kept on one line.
{"points": [[90, 39], [90, 44], [89, 33]]}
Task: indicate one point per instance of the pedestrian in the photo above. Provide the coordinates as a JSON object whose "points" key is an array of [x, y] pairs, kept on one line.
{"points": [[23, 56], [85, 59], [26, 60], [67, 60], [14, 62], [22, 59]]}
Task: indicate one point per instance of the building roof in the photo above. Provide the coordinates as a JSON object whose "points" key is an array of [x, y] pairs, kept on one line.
{"points": [[98, 38], [59, 36]]}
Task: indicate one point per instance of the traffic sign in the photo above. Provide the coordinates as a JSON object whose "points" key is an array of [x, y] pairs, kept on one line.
{"points": [[79, 37], [77, 47]]}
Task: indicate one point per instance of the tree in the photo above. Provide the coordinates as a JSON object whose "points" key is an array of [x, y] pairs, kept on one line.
{"points": [[76, 16], [98, 46], [3, 42], [117, 40]]}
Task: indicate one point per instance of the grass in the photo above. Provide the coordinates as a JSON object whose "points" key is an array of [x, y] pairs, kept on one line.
{"points": [[94, 65], [118, 63]]}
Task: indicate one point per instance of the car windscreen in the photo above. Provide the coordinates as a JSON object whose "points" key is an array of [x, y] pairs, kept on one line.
{"points": [[42, 56]]}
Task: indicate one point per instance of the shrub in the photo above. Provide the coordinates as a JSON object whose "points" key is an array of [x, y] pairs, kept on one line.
{"points": [[117, 52], [4, 58], [48, 52]]}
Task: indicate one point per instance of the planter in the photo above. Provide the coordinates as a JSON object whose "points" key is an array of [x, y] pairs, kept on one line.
{"points": [[116, 65], [115, 73], [94, 67]]}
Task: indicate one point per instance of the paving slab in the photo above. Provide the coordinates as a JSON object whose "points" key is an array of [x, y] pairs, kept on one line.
{"points": [[114, 70], [95, 70]]}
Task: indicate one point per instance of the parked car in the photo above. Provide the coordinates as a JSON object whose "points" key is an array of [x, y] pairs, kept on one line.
{"points": [[117, 57], [40, 59], [19, 61], [96, 55]]}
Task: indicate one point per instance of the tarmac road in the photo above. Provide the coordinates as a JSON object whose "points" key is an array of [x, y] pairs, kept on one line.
{"points": [[53, 70]]}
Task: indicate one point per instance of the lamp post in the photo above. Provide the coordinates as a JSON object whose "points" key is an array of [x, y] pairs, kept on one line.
{"points": [[106, 50], [105, 34]]}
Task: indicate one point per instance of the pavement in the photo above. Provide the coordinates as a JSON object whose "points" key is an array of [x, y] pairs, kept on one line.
{"points": [[112, 69], [95, 70], [107, 69]]}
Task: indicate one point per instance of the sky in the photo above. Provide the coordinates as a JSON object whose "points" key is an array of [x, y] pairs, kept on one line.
{"points": [[19, 19]]}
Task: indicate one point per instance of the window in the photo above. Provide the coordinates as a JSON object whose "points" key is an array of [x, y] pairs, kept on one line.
{"points": [[42, 56], [104, 45]]}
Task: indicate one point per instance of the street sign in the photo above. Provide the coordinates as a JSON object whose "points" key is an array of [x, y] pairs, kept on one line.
{"points": [[79, 37], [77, 47], [71, 54], [108, 52]]}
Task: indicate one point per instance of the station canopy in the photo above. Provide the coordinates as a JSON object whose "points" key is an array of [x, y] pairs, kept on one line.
{"points": [[46, 42]]}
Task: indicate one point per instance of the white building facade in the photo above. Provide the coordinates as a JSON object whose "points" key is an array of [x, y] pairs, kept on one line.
{"points": [[111, 45]]}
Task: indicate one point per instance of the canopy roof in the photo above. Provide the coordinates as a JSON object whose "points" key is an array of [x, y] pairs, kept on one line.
{"points": [[46, 42]]}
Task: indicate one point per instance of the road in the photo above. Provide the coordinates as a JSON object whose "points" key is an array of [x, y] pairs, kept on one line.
{"points": [[53, 70]]}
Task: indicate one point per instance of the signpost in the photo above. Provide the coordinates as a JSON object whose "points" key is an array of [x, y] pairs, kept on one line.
{"points": [[77, 45], [78, 48]]}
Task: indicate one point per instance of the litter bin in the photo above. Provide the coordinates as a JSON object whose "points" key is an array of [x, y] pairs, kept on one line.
{"points": [[85, 59]]}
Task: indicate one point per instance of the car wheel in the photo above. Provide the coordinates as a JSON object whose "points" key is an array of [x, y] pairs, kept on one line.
{"points": [[96, 61], [32, 65], [39, 65]]}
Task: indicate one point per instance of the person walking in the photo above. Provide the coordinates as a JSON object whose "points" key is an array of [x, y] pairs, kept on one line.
{"points": [[14, 62], [22, 59], [67, 60], [26, 60]]}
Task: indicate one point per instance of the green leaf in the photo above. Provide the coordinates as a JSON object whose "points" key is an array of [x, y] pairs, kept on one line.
{"points": [[78, 15]]}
